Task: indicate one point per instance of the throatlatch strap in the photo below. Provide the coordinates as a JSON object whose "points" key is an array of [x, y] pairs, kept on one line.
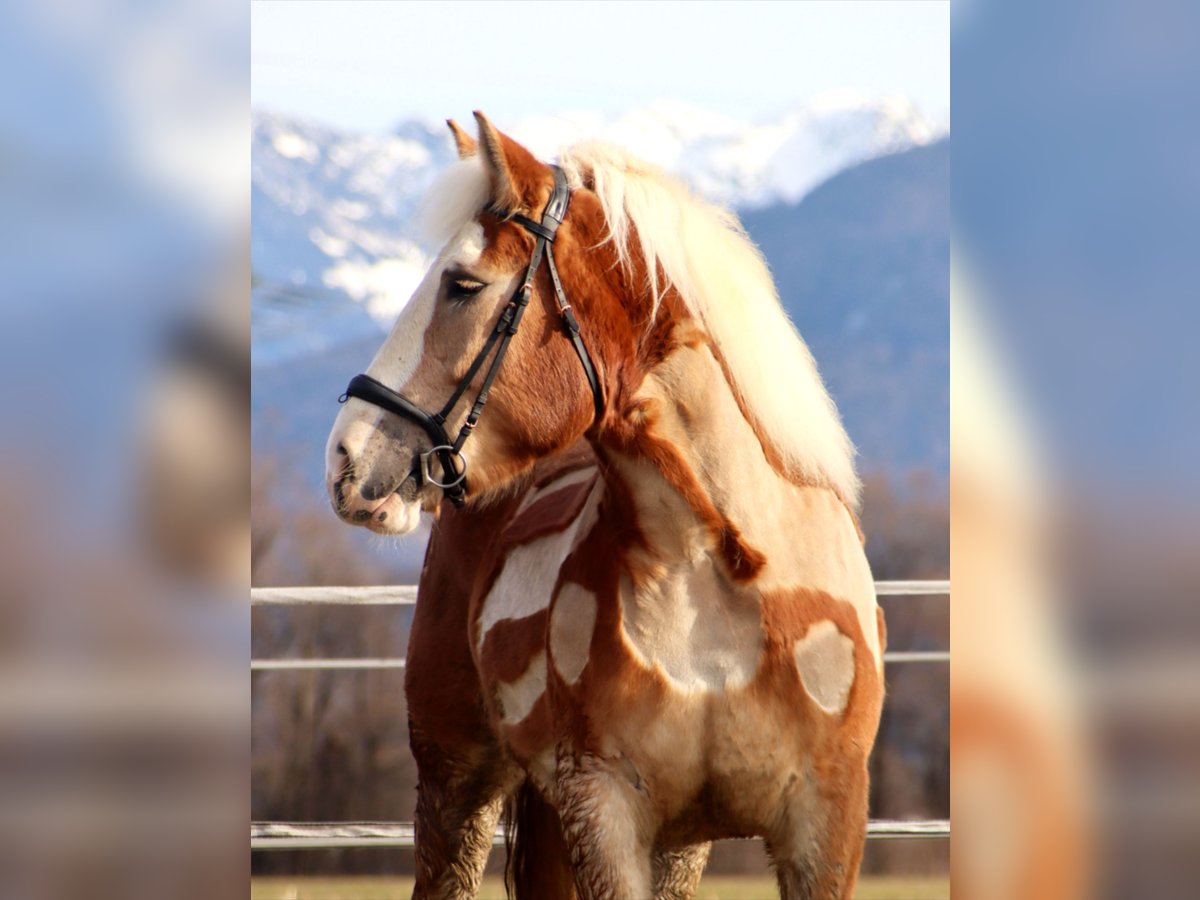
{"points": [[572, 323], [546, 231]]}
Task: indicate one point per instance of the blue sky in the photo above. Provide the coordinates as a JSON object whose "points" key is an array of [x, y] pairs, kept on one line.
{"points": [[368, 65]]}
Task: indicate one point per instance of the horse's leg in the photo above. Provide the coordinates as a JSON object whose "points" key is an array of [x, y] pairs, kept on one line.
{"points": [[459, 798], [462, 773], [677, 872], [605, 821], [817, 851]]}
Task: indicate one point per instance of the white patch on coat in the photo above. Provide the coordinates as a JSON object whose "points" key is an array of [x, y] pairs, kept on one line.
{"points": [[525, 585], [825, 661], [701, 632], [517, 697], [571, 625]]}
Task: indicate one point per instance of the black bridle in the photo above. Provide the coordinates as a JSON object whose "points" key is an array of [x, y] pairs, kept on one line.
{"points": [[454, 477]]}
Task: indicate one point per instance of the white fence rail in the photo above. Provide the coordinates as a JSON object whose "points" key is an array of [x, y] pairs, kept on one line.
{"points": [[333, 835], [395, 595], [406, 594]]}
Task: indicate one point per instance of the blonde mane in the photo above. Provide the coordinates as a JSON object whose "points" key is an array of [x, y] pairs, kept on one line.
{"points": [[703, 252]]}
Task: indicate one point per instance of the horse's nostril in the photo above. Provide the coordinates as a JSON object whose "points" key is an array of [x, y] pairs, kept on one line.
{"points": [[376, 490], [361, 515], [341, 449], [382, 516]]}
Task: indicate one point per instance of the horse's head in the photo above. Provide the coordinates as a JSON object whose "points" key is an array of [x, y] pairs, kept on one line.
{"points": [[379, 469]]}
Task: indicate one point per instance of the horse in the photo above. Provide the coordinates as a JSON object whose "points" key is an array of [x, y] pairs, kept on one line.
{"points": [[645, 619]]}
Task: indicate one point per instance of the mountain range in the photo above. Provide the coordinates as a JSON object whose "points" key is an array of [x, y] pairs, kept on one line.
{"points": [[333, 209]]}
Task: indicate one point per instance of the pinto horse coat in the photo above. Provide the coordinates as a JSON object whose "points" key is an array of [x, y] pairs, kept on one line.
{"points": [[655, 626]]}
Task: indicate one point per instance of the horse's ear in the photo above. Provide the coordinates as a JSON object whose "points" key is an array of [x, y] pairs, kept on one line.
{"points": [[514, 172], [464, 142]]}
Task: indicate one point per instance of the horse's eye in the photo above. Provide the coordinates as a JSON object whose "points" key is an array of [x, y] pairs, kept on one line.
{"points": [[463, 288]]}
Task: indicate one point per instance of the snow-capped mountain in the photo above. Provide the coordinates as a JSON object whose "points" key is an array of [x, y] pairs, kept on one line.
{"points": [[743, 164], [332, 210]]}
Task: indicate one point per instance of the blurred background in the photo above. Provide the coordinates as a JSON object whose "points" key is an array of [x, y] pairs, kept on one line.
{"points": [[1076, 677], [825, 127], [125, 547], [124, 535]]}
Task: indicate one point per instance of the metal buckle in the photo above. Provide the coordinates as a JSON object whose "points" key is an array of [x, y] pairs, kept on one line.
{"points": [[423, 459]]}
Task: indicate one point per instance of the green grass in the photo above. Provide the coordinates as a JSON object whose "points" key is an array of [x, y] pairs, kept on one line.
{"points": [[717, 887]]}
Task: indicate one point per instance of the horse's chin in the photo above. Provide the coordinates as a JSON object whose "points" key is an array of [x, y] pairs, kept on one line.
{"points": [[395, 517]]}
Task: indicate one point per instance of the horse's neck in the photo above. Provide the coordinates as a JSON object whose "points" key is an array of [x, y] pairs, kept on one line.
{"points": [[702, 487]]}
